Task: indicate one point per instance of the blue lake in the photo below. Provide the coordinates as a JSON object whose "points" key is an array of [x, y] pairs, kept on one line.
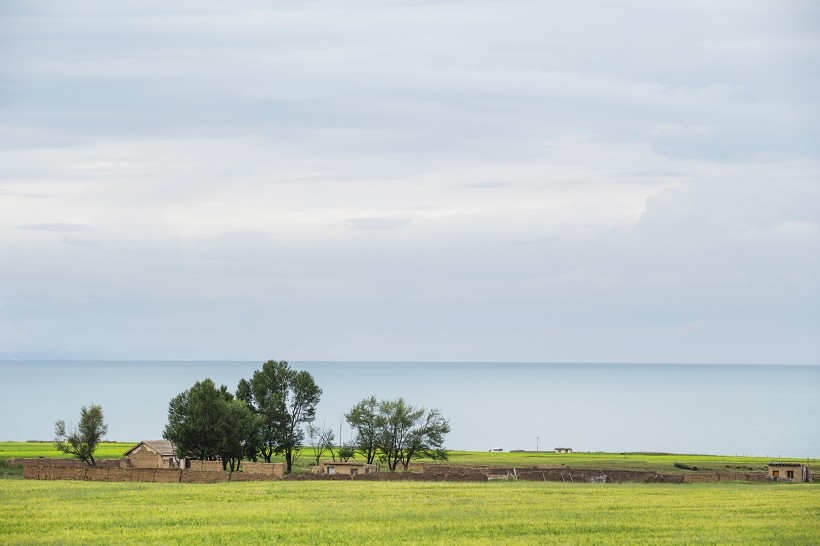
{"points": [[721, 409]]}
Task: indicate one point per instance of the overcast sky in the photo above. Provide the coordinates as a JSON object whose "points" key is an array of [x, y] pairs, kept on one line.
{"points": [[410, 180]]}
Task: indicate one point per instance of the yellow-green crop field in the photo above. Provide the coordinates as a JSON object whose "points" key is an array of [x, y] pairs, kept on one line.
{"points": [[653, 462], [350, 512], [105, 450], [650, 462]]}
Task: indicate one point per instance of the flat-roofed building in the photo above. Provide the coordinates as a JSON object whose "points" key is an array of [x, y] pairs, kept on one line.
{"points": [[348, 468], [789, 472]]}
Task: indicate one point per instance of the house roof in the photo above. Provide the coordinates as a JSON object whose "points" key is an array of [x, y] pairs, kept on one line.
{"points": [[785, 464], [343, 463], [164, 447]]}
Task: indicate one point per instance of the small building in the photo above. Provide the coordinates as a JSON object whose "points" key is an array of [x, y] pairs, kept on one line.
{"points": [[347, 468], [151, 454], [789, 472], [563, 450]]}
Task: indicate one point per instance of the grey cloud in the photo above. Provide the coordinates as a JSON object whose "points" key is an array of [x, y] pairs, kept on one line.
{"points": [[57, 226], [485, 185], [378, 224], [168, 122]]}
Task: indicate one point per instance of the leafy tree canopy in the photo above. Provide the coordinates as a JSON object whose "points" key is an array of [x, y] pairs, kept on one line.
{"points": [[82, 441]]}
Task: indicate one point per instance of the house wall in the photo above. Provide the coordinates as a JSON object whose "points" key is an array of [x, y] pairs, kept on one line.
{"points": [[142, 457], [347, 469], [799, 472]]}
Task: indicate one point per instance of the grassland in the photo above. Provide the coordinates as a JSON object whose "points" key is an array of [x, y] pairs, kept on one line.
{"points": [[106, 450], [33, 512], [655, 462]]}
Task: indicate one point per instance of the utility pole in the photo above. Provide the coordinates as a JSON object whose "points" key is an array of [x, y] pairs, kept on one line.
{"points": [[537, 439]]}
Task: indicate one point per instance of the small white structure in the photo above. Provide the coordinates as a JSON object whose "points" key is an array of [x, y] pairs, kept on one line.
{"points": [[563, 450]]}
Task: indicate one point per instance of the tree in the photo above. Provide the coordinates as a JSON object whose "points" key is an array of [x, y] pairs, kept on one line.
{"points": [[302, 397], [241, 433], [285, 400], [321, 440], [407, 433], [198, 421], [346, 452], [364, 418], [207, 423], [82, 441]]}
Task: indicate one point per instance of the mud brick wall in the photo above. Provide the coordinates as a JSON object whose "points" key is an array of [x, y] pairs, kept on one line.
{"points": [[427, 476], [589, 475], [40, 469], [703, 477], [243, 477], [145, 459], [38, 472], [205, 476], [43, 461], [267, 469], [205, 466]]}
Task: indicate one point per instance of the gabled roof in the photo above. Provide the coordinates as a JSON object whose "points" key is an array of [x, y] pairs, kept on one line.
{"points": [[164, 447]]}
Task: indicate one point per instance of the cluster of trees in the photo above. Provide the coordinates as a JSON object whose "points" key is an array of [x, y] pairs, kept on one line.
{"points": [[270, 414], [265, 417], [396, 432]]}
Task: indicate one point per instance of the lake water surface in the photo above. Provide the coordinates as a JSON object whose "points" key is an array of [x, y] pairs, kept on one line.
{"points": [[721, 409]]}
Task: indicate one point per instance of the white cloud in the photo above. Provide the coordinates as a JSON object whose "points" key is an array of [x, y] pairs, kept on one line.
{"points": [[433, 180]]}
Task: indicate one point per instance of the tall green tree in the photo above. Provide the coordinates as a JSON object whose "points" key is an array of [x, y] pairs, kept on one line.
{"points": [[408, 433], [286, 400], [198, 421], [241, 432], [82, 441], [365, 419]]}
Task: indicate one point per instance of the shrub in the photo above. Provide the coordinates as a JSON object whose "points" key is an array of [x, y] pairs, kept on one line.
{"points": [[685, 466]]}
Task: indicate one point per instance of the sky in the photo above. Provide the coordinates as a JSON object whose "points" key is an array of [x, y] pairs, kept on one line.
{"points": [[542, 181]]}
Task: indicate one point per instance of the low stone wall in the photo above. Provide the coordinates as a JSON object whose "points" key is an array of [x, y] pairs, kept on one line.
{"points": [[109, 471], [395, 477], [620, 476], [703, 477], [42, 461], [40, 469], [265, 469], [208, 466]]}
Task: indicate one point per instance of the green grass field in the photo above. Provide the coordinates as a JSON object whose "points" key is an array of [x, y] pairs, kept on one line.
{"points": [[34, 512], [106, 450], [615, 461], [655, 462]]}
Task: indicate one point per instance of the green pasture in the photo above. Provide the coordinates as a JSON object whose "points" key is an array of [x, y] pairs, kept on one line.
{"points": [[654, 462], [106, 450], [350, 512]]}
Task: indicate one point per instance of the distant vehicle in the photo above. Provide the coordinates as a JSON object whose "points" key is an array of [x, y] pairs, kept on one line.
{"points": [[496, 450]]}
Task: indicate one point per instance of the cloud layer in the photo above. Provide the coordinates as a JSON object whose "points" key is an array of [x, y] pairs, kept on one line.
{"points": [[411, 181]]}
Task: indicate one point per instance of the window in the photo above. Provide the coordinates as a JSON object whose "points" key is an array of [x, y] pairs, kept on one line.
{"points": [[775, 473], [354, 471], [790, 474], [331, 470]]}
